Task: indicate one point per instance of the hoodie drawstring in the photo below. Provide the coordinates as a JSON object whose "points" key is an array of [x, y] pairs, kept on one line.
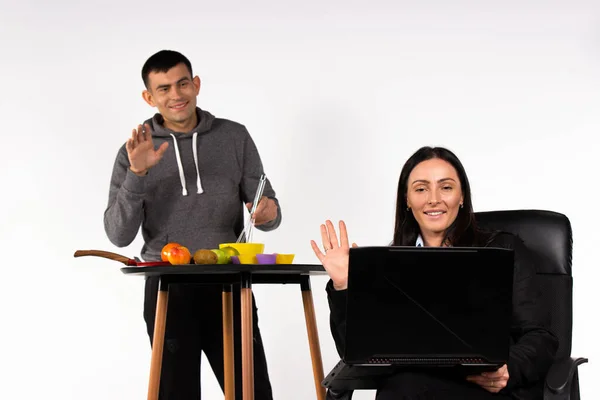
{"points": [[184, 191], [195, 150]]}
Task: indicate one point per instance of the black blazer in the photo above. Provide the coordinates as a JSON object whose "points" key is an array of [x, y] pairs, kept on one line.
{"points": [[532, 347]]}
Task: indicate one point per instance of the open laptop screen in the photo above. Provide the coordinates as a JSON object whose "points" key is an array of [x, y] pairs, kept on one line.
{"points": [[429, 306]]}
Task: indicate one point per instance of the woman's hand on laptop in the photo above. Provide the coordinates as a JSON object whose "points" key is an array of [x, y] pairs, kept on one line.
{"points": [[491, 381], [336, 254]]}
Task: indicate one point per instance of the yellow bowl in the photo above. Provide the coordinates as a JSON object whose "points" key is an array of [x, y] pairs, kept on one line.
{"points": [[284, 258], [245, 248], [247, 259]]}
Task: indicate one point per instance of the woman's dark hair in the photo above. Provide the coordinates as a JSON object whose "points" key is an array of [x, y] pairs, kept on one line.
{"points": [[463, 231]]}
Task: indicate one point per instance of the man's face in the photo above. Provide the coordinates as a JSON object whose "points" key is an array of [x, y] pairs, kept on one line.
{"points": [[174, 94]]}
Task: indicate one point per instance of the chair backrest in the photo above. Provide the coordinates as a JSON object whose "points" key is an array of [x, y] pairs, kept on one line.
{"points": [[548, 236]]}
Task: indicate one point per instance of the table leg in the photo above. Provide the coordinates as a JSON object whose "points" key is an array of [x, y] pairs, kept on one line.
{"points": [[247, 338], [228, 360], [313, 336], [158, 339]]}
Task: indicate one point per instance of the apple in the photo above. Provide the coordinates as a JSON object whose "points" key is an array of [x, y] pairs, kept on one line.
{"points": [[164, 254], [222, 258], [230, 251], [179, 255]]}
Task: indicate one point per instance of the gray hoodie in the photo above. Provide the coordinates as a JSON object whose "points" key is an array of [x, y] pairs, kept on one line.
{"points": [[195, 194]]}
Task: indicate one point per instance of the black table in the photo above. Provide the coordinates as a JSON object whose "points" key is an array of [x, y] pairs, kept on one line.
{"points": [[228, 275]]}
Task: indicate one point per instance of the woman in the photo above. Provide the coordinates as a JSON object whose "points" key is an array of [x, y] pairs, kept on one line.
{"points": [[434, 209]]}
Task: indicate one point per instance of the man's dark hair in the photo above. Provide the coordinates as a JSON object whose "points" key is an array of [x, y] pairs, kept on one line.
{"points": [[163, 61]]}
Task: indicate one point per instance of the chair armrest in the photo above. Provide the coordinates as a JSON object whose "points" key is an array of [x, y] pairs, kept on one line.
{"points": [[560, 376]]}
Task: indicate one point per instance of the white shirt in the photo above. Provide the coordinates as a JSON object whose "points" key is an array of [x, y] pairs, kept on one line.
{"points": [[420, 242]]}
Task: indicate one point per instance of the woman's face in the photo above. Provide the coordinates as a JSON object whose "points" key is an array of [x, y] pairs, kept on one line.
{"points": [[434, 195]]}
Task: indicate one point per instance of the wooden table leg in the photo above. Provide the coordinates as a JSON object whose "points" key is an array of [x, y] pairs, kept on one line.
{"points": [[158, 339], [228, 360], [313, 336], [247, 338]]}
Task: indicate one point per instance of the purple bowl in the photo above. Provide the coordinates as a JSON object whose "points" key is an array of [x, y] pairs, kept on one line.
{"points": [[266, 258], [235, 259]]}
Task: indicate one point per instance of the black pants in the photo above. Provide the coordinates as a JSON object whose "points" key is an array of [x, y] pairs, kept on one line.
{"points": [[195, 324], [424, 386]]}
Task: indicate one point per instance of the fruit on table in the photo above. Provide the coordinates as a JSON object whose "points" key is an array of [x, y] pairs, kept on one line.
{"points": [[204, 256], [179, 255], [222, 258], [230, 251], [164, 254]]}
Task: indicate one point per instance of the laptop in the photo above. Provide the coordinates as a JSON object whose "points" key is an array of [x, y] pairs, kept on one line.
{"points": [[424, 308]]}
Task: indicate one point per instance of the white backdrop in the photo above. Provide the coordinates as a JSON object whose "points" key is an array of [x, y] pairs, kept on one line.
{"points": [[336, 96]]}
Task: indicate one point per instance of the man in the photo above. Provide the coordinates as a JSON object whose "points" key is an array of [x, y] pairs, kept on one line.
{"points": [[183, 176]]}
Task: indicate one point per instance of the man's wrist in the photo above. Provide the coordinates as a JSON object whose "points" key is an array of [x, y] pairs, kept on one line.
{"points": [[138, 172]]}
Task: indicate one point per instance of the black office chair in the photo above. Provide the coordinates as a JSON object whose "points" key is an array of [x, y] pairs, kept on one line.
{"points": [[548, 235]]}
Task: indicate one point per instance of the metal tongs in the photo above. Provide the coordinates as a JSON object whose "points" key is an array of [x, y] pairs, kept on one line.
{"points": [[247, 232]]}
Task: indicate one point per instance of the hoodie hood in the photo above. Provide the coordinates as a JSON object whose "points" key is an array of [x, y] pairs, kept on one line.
{"points": [[205, 121]]}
